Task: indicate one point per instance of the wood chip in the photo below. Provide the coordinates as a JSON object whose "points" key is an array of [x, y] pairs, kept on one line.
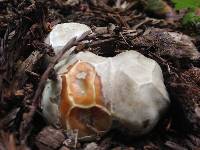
{"points": [[49, 139]]}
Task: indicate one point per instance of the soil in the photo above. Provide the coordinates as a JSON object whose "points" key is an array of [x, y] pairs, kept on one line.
{"points": [[24, 71]]}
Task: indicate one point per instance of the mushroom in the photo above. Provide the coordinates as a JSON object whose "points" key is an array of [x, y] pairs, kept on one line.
{"points": [[62, 33], [92, 90]]}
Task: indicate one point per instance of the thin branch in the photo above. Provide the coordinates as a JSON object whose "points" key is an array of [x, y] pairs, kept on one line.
{"points": [[45, 75]]}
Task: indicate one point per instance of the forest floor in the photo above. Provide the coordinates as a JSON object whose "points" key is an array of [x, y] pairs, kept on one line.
{"points": [[23, 28]]}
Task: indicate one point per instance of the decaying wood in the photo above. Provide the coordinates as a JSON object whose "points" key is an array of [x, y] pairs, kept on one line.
{"points": [[166, 45], [49, 138]]}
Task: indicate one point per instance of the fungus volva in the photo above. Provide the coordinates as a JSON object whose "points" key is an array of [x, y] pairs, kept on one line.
{"points": [[61, 34], [91, 91]]}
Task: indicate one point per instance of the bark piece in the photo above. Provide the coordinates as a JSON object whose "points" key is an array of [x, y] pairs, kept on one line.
{"points": [[172, 44], [49, 139]]}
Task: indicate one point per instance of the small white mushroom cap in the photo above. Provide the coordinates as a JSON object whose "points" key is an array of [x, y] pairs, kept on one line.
{"points": [[63, 33], [132, 87]]}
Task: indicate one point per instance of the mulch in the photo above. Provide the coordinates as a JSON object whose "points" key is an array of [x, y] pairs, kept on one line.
{"points": [[24, 71]]}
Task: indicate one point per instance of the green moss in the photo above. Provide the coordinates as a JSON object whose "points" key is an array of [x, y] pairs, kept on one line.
{"points": [[186, 4], [190, 17]]}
